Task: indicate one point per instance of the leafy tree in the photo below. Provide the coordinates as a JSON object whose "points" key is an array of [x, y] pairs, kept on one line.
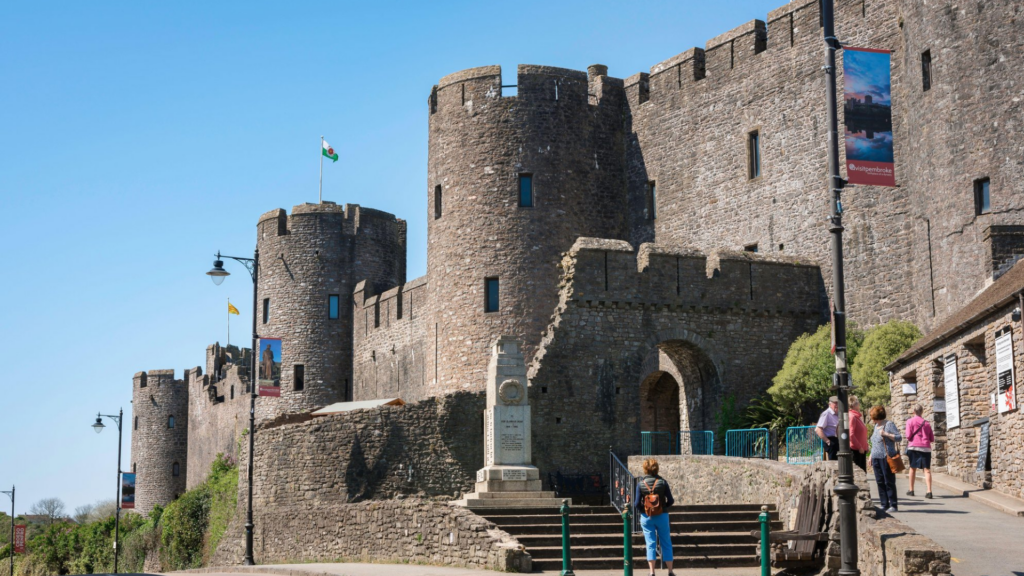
{"points": [[802, 387], [52, 508], [882, 345]]}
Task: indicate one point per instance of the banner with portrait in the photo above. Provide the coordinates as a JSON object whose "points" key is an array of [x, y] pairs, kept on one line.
{"points": [[867, 109], [270, 367], [1006, 395], [127, 491]]}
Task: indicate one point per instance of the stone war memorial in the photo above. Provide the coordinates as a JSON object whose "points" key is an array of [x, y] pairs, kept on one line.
{"points": [[507, 478], [604, 261]]}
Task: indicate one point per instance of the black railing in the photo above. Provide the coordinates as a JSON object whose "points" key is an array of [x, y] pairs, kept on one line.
{"points": [[621, 488]]}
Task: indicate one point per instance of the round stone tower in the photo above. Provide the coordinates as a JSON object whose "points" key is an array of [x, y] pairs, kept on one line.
{"points": [[310, 263], [513, 181], [159, 427]]}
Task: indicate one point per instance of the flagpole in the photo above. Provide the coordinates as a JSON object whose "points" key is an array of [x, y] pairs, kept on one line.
{"points": [[229, 321], [321, 169]]}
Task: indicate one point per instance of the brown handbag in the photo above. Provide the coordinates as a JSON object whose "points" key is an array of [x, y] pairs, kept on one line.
{"points": [[895, 461]]}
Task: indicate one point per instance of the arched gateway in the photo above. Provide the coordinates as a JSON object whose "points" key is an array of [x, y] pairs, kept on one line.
{"points": [[660, 340]]}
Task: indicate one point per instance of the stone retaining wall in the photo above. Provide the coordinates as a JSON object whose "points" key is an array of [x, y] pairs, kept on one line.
{"points": [[886, 546], [412, 530]]}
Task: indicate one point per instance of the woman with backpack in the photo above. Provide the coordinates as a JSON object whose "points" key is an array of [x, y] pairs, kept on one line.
{"points": [[652, 500]]}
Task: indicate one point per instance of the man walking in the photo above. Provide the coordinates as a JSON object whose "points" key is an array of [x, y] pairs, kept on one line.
{"points": [[826, 429]]}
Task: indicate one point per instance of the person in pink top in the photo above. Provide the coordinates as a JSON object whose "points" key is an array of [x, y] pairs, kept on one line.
{"points": [[858, 435], [919, 449]]}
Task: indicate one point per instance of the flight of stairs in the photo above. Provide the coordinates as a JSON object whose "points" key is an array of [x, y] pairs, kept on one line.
{"points": [[702, 536]]}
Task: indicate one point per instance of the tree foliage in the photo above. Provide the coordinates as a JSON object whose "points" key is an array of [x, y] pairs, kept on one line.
{"points": [[882, 345], [52, 508], [802, 387]]}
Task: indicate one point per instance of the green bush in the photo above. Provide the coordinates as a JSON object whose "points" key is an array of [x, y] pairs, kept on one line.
{"points": [[802, 387], [882, 345], [192, 526]]}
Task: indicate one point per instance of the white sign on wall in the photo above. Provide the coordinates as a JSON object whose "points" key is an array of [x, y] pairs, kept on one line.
{"points": [[1006, 397], [952, 393]]}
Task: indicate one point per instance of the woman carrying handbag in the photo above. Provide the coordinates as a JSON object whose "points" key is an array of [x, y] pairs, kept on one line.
{"points": [[885, 458]]}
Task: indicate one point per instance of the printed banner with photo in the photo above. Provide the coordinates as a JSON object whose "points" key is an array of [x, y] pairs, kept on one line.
{"points": [[270, 366], [127, 491], [19, 538], [868, 113]]}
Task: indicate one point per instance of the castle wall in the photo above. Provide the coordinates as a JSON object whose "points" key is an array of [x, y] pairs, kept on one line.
{"points": [[394, 348], [156, 447], [320, 250], [690, 118], [726, 333], [218, 410], [563, 128], [966, 127]]}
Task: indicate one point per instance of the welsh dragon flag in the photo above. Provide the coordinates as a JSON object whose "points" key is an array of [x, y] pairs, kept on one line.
{"points": [[329, 152]]}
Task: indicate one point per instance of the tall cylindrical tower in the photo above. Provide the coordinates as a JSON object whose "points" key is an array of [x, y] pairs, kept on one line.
{"points": [[512, 183], [159, 429], [310, 263]]}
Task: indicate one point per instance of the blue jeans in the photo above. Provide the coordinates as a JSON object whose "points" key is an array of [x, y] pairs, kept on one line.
{"points": [[886, 483], [656, 530]]}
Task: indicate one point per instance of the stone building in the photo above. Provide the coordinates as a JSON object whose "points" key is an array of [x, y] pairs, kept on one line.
{"points": [[964, 375], [656, 242]]}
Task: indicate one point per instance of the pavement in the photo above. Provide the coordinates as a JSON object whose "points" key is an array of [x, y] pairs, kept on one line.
{"points": [[982, 540], [354, 569]]}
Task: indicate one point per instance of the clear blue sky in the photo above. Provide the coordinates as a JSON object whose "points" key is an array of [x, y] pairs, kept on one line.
{"points": [[137, 138]]}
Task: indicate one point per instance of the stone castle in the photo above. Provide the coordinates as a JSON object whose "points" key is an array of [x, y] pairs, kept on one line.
{"points": [[652, 263]]}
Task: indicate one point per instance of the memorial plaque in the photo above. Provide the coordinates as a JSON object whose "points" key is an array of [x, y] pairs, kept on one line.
{"points": [[519, 475]]}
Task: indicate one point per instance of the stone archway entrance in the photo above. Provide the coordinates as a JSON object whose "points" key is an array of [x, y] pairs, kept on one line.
{"points": [[680, 390]]}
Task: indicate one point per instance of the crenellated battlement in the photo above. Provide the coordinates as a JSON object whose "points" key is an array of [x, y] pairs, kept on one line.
{"points": [[310, 218], [609, 272]]}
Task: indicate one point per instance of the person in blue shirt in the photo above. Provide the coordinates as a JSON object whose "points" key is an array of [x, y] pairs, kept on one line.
{"points": [[656, 528]]}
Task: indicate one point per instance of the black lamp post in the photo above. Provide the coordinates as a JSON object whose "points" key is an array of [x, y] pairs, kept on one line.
{"points": [[845, 488], [11, 494], [98, 427], [217, 274]]}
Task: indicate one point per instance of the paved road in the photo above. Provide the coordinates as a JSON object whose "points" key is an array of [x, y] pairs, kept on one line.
{"points": [[415, 570], [981, 540]]}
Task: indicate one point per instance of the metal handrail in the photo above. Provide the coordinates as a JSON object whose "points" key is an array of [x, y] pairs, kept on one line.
{"points": [[803, 446], [701, 442], [621, 488]]}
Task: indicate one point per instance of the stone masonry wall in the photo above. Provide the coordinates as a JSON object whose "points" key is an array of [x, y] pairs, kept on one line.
{"points": [[976, 378], [620, 318], [394, 351], [886, 547], [218, 414], [156, 446], [413, 530]]}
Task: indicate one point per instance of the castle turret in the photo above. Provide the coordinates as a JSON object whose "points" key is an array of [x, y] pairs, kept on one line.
{"points": [[513, 181], [159, 428], [310, 262]]}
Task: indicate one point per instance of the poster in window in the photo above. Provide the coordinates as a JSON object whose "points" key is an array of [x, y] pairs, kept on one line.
{"points": [[867, 109], [952, 393], [1006, 397], [127, 491], [270, 367], [19, 538]]}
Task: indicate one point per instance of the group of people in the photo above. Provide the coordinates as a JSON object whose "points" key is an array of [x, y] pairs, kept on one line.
{"points": [[884, 446], [653, 496]]}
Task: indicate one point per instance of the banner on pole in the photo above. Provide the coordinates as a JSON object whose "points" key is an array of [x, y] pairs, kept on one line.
{"points": [[868, 112], [19, 538], [270, 367], [127, 491], [1007, 396]]}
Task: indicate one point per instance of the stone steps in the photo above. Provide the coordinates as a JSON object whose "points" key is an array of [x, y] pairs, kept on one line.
{"points": [[702, 536]]}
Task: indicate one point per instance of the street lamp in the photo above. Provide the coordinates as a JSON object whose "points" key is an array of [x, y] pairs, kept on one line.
{"points": [[844, 488], [218, 274], [98, 427], [11, 494]]}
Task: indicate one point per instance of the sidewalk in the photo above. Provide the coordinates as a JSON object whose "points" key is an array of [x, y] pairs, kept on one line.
{"points": [[418, 570], [990, 498], [982, 541]]}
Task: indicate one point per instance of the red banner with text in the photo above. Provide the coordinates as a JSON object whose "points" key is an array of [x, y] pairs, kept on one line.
{"points": [[867, 109], [19, 539]]}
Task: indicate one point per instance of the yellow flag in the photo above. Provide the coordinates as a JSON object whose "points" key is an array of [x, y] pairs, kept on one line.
{"points": [[232, 309]]}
